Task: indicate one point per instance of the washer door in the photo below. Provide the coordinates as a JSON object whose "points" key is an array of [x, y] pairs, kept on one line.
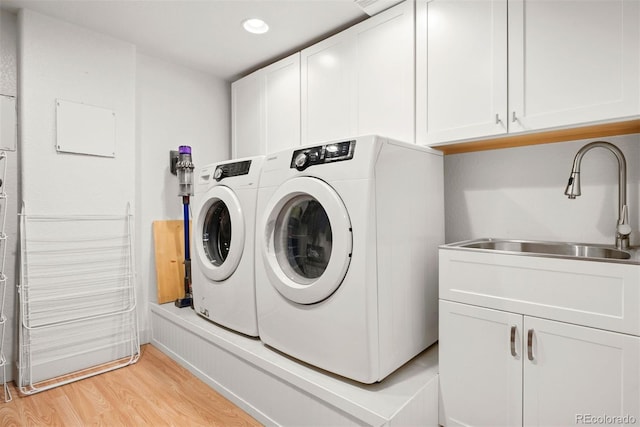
{"points": [[219, 228], [308, 241]]}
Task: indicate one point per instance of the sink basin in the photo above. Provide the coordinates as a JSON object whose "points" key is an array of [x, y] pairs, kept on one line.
{"points": [[559, 249]]}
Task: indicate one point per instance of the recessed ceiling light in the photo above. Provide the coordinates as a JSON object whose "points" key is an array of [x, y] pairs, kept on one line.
{"points": [[255, 26]]}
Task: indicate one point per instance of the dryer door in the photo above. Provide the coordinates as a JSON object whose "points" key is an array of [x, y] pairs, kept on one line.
{"points": [[308, 241], [219, 229]]}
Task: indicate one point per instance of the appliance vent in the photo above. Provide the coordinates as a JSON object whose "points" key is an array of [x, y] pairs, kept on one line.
{"points": [[371, 7]]}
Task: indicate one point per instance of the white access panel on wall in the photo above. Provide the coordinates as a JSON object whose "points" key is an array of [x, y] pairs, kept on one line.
{"points": [[8, 123], [85, 129]]}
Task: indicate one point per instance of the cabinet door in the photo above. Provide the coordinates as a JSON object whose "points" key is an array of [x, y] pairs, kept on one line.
{"points": [[573, 61], [385, 74], [281, 97], [362, 80], [578, 372], [246, 117], [462, 55], [328, 89], [480, 372]]}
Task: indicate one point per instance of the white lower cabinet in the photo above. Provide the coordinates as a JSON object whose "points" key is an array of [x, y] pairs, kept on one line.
{"points": [[480, 381], [579, 372], [504, 369]]}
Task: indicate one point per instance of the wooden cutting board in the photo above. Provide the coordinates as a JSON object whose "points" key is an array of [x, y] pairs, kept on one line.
{"points": [[168, 237]]}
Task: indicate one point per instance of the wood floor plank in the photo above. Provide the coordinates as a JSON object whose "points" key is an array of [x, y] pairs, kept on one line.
{"points": [[155, 391]]}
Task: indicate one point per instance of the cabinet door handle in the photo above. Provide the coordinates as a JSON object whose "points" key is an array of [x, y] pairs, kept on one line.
{"points": [[513, 117], [498, 121], [514, 329], [530, 354]]}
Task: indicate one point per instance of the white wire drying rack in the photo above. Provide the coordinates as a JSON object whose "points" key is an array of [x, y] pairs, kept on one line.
{"points": [[77, 298], [3, 277]]}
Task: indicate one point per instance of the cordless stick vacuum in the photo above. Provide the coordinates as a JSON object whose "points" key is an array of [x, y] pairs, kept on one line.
{"points": [[184, 169]]}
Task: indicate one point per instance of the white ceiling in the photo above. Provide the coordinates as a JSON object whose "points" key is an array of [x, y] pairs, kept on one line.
{"points": [[205, 34]]}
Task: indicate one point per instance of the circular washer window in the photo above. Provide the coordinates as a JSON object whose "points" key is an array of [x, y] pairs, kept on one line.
{"points": [[307, 240], [219, 233], [216, 233], [304, 241]]}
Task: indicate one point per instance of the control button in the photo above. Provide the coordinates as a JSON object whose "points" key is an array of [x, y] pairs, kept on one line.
{"points": [[218, 174], [314, 156], [301, 161]]}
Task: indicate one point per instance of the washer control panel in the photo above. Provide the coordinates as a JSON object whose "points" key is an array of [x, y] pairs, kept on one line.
{"points": [[231, 169], [322, 154]]}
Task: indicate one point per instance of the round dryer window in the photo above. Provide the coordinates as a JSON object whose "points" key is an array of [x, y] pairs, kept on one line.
{"points": [[219, 228], [304, 240], [308, 241]]}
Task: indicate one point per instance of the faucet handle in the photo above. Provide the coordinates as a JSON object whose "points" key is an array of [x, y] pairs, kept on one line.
{"points": [[623, 228]]}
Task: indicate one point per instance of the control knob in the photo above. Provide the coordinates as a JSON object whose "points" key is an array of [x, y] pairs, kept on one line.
{"points": [[218, 174], [301, 161]]}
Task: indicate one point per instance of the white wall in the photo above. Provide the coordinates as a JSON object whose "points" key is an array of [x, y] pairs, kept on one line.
{"points": [[8, 86], [62, 61], [169, 105], [175, 106], [519, 193]]}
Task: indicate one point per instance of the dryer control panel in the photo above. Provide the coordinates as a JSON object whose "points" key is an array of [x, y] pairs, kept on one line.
{"points": [[231, 169], [321, 154]]}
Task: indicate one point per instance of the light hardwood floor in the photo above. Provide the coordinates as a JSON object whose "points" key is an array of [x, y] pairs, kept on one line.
{"points": [[155, 391]]}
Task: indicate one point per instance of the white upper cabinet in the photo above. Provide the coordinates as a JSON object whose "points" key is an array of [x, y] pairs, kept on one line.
{"points": [[266, 109], [462, 52], [362, 80], [386, 74], [573, 61], [328, 95], [246, 117], [488, 67], [281, 92]]}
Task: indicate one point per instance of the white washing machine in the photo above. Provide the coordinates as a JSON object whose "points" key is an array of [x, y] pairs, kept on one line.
{"points": [[223, 284], [347, 235]]}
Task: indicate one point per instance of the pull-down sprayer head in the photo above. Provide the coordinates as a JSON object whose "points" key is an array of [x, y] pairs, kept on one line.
{"points": [[573, 187]]}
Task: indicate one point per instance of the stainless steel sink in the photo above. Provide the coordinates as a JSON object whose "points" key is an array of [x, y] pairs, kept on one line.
{"points": [[554, 249]]}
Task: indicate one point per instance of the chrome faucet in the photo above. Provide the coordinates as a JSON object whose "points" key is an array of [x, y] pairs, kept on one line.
{"points": [[623, 229]]}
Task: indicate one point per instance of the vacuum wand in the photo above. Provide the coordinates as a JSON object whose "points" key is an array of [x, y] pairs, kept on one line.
{"points": [[184, 169]]}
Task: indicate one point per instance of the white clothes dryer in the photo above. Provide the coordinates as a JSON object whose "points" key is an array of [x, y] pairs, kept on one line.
{"points": [[347, 236], [223, 284]]}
